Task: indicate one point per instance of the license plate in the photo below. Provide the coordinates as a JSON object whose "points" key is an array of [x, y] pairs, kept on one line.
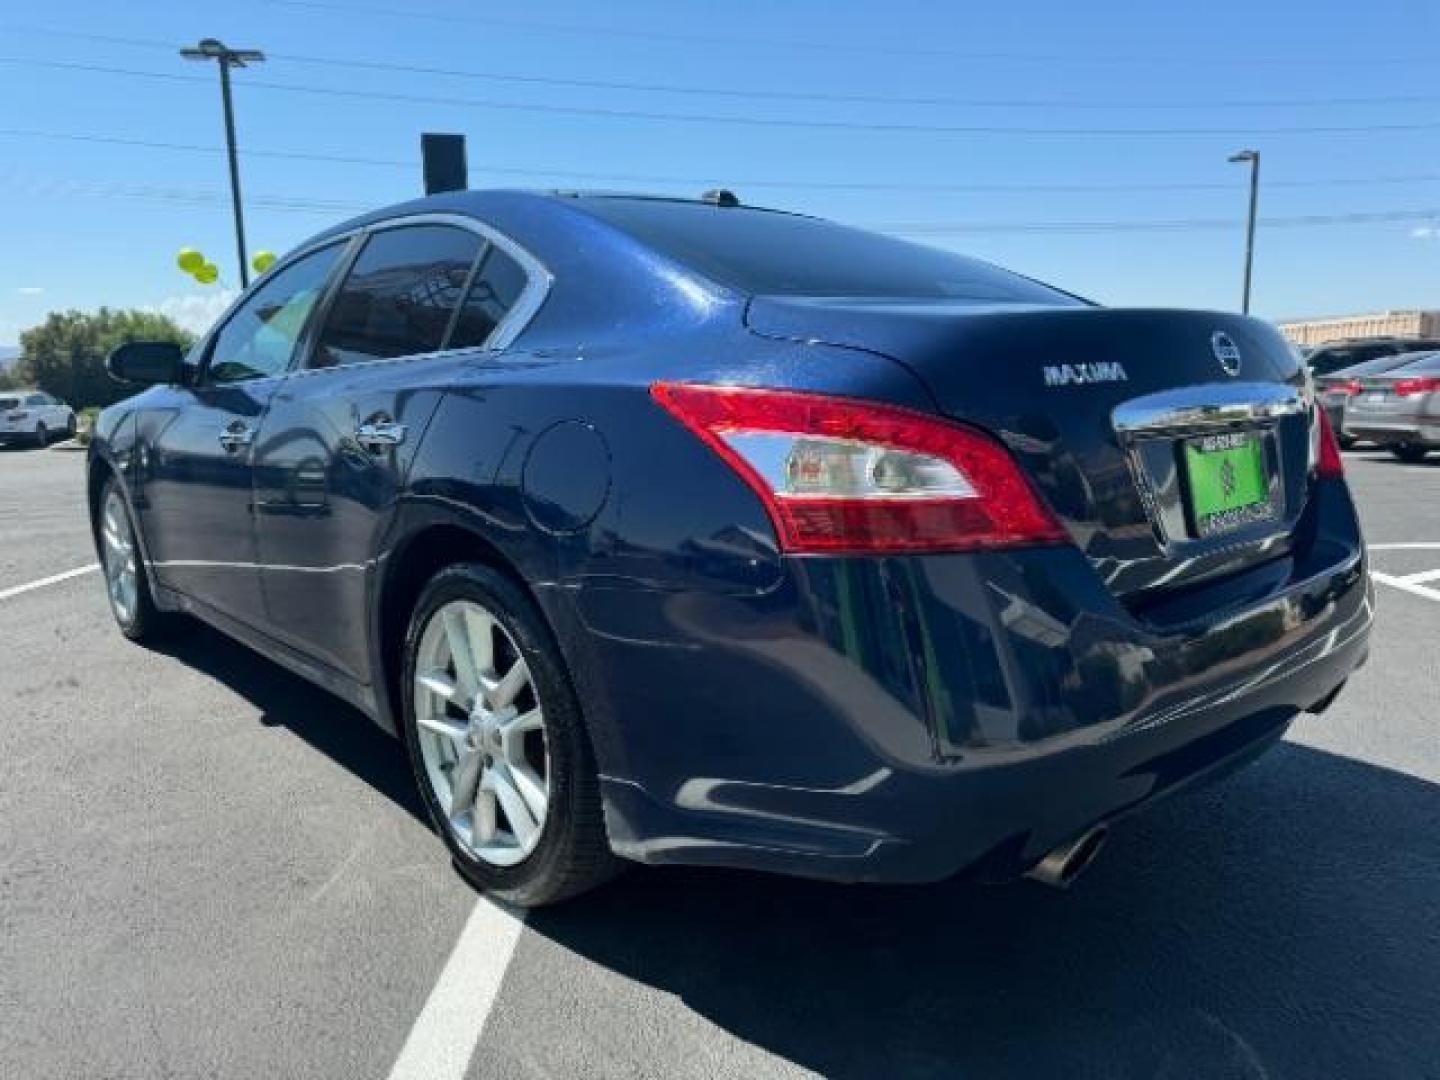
{"points": [[1228, 484], [1375, 397]]}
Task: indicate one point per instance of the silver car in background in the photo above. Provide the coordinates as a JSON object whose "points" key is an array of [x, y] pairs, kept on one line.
{"points": [[1399, 409], [1337, 388]]}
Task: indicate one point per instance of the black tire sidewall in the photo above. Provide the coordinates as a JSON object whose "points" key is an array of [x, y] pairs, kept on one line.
{"points": [[536, 878], [42, 436]]}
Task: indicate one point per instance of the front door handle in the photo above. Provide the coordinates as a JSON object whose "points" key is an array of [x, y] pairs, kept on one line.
{"points": [[379, 435], [237, 436]]}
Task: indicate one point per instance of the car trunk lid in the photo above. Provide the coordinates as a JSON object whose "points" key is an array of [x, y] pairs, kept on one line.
{"points": [[1124, 419]]}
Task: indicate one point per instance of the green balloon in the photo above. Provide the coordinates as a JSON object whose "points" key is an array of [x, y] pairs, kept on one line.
{"points": [[207, 273], [262, 261], [189, 260]]}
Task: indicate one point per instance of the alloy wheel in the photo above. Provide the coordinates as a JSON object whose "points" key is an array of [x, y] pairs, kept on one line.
{"points": [[118, 544], [481, 731]]}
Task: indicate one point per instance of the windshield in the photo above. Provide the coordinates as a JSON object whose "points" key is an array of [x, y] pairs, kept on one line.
{"points": [[766, 252]]}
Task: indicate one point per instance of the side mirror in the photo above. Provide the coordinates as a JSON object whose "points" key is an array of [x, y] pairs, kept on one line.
{"points": [[147, 362]]}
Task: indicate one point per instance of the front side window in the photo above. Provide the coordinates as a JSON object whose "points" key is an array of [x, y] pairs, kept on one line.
{"points": [[399, 296], [259, 339]]}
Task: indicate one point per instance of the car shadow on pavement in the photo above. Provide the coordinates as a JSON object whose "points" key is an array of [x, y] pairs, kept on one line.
{"points": [[1282, 923], [326, 723]]}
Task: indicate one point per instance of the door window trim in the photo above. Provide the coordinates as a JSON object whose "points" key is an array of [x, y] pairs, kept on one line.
{"points": [[538, 281]]}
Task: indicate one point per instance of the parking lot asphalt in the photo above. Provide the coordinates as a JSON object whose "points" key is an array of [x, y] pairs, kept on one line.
{"points": [[209, 868]]}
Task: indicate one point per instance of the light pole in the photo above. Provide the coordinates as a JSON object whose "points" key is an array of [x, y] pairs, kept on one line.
{"points": [[211, 49], [1253, 157]]}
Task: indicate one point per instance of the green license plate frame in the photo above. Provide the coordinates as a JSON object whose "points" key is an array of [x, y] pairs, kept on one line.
{"points": [[1227, 482]]}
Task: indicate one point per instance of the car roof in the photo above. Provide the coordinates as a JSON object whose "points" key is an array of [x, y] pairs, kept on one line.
{"points": [[1423, 343]]}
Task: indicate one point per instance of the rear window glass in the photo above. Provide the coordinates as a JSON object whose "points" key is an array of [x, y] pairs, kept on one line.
{"points": [[9, 402], [1428, 364], [769, 253]]}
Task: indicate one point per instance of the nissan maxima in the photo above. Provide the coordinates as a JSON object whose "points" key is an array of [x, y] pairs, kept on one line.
{"points": [[679, 531]]}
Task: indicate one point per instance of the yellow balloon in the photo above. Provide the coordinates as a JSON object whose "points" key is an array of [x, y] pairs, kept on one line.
{"points": [[189, 260], [262, 261], [207, 273]]}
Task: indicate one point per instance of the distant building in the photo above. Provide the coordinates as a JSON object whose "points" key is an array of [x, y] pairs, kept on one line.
{"points": [[1401, 324]]}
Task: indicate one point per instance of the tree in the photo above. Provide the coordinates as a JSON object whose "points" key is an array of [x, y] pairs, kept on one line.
{"points": [[65, 355]]}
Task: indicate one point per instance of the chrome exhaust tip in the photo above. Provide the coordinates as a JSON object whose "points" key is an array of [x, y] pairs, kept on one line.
{"points": [[1065, 863]]}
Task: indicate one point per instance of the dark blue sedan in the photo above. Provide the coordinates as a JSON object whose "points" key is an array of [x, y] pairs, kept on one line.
{"points": [[686, 532]]}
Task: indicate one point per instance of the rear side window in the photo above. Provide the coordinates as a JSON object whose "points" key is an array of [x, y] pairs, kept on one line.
{"points": [[496, 289], [399, 296], [9, 402], [259, 339], [765, 252]]}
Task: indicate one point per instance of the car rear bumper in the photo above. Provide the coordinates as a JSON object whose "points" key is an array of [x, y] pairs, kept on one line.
{"points": [[1392, 430], [903, 719]]}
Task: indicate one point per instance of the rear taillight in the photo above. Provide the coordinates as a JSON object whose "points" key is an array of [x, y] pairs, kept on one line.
{"points": [[1348, 389], [1411, 387], [844, 476], [1328, 462]]}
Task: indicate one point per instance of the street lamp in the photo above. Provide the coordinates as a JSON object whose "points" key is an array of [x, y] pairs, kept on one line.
{"points": [[1253, 157], [211, 49]]}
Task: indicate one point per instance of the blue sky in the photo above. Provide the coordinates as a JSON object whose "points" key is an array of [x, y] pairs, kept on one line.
{"points": [[1061, 112]]}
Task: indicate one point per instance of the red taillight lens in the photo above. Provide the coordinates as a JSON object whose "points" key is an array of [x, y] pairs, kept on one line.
{"points": [[1349, 389], [844, 476], [1412, 387], [1328, 463]]}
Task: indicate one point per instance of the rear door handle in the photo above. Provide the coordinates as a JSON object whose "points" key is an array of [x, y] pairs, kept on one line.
{"points": [[237, 436], [377, 436]]}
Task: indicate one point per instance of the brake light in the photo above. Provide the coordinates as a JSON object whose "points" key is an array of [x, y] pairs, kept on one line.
{"points": [[1328, 462], [1424, 385], [1348, 388], [841, 475]]}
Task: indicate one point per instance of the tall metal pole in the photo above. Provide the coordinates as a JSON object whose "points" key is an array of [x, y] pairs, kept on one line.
{"points": [[1253, 157], [240, 213], [227, 58]]}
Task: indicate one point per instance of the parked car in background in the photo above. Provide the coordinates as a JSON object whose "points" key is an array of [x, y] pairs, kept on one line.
{"points": [[1337, 388], [1333, 356], [1399, 409], [686, 532], [34, 417]]}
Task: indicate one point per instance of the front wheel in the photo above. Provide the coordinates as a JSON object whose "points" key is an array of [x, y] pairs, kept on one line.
{"points": [[42, 436], [497, 741], [1409, 453], [126, 583]]}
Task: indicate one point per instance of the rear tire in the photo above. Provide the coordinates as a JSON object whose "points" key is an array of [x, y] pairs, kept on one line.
{"points": [[497, 741], [127, 585], [1409, 453], [1347, 442], [70, 427], [42, 436]]}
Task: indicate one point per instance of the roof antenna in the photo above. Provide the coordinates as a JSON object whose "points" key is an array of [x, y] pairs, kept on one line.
{"points": [[720, 197]]}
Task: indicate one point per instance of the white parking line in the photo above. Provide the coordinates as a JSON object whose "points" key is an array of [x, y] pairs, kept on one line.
{"points": [[1407, 585], [1422, 546], [1421, 578], [448, 1028], [53, 579]]}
